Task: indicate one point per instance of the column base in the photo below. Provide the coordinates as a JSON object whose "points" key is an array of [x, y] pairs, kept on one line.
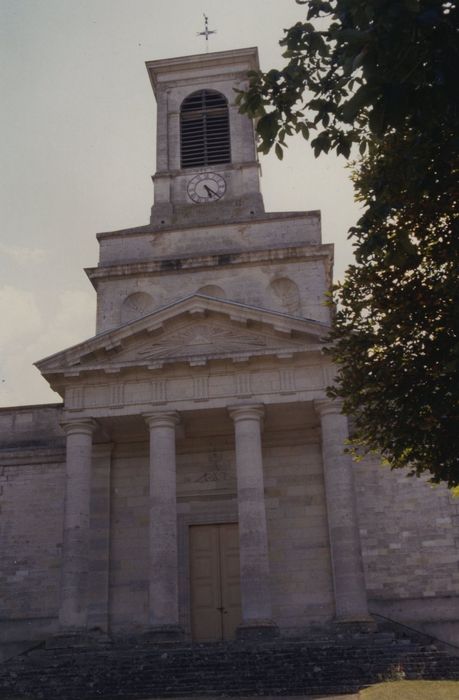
{"points": [[257, 630], [165, 633]]}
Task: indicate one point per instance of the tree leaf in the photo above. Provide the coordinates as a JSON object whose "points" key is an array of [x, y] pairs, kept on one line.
{"points": [[356, 103], [268, 126]]}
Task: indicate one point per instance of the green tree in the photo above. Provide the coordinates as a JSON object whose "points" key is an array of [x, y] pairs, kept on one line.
{"points": [[383, 75]]}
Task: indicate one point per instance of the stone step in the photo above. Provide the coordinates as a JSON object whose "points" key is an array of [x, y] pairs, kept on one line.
{"points": [[134, 670]]}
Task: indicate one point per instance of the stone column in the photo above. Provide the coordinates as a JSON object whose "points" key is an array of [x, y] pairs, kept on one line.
{"points": [[163, 565], [73, 611], [99, 579], [253, 536], [346, 555]]}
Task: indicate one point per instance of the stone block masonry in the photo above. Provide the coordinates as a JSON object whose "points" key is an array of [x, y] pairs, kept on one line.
{"points": [[410, 541], [32, 458]]}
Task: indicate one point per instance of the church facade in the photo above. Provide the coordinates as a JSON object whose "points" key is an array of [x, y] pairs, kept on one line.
{"points": [[193, 483]]}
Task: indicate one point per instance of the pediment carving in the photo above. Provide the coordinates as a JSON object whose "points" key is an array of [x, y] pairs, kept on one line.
{"points": [[205, 338]]}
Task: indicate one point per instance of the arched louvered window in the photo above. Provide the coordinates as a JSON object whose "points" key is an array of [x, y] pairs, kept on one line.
{"points": [[204, 130]]}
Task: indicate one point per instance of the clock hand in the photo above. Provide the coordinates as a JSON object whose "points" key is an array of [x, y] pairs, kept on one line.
{"points": [[210, 192]]}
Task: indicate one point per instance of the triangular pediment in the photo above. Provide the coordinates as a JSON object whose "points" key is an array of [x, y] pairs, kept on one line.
{"points": [[196, 329], [207, 338]]}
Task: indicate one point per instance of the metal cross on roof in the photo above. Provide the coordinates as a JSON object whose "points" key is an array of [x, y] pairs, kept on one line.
{"points": [[207, 32]]}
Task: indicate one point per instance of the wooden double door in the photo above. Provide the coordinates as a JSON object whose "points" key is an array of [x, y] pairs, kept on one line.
{"points": [[215, 582]]}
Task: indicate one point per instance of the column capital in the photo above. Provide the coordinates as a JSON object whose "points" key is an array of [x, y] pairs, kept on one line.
{"points": [[162, 419], [79, 426], [328, 406], [247, 412]]}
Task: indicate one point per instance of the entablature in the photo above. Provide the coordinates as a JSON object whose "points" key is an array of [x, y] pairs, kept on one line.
{"points": [[179, 390]]}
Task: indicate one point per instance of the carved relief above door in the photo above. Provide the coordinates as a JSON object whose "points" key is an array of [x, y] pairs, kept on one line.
{"points": [[214, 581]]}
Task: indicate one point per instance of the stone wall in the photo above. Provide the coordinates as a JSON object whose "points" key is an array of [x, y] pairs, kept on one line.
{"points": [[129, 538], [206, 487], [31, 509], [301, 576], [409, 530], [270, 230], [277, 287], [410, 540]]}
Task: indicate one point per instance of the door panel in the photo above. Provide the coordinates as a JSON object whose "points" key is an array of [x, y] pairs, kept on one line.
{"points": [[230, 579], [215, 588], [205, 583]]}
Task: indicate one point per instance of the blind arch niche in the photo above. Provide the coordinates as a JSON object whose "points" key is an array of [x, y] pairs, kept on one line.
{"points": [[204, 130]]}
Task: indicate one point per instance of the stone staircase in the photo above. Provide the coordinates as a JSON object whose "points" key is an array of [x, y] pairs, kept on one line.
{"points": [[133, 669]]}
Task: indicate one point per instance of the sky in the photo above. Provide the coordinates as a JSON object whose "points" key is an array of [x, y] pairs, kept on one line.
{"points": [[78, 152]]}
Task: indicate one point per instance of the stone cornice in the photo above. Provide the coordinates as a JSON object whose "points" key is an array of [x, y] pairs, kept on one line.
{"points": [[15, 457], [189, 67], [188, 172], [36, 456], [168, 265]]}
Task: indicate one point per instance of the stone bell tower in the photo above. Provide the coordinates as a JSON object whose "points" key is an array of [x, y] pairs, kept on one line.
{"points": [[202, 140], [209, 231]]}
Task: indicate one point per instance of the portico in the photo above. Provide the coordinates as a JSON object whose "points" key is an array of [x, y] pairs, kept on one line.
{"points": [[271, 403]]}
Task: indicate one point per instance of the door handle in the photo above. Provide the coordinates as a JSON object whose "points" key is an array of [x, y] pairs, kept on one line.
{"points": [[222, 611]]}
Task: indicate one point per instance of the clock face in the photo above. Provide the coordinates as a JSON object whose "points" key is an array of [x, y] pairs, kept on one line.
{"points": [[206, 187]]}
